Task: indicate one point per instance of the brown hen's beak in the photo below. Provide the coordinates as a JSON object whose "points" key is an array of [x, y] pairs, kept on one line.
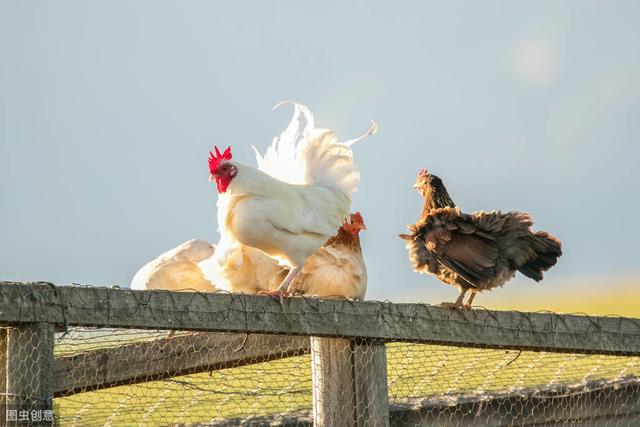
{"points": [[363, 227]]}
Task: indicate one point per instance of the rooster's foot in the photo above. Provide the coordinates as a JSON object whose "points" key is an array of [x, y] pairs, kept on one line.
{"points": [[276, 295], [287, 287]]}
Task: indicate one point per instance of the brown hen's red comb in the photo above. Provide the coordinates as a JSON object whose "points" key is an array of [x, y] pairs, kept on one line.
{"points": [[216, 159], [423, 172], [357, 217]]}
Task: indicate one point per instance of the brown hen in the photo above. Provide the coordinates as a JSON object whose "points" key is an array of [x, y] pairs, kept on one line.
{"points": [[337, 269], [475, 252]]}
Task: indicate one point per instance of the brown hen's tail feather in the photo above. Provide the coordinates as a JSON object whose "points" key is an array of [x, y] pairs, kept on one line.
{"points": [[548, 249]]}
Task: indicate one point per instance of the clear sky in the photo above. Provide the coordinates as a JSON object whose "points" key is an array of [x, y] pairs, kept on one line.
{"points": [[108, 110]]}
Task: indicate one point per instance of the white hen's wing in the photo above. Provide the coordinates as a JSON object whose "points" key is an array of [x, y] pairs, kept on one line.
{"points": [[176, 269], [139, 281], [239, 268]]}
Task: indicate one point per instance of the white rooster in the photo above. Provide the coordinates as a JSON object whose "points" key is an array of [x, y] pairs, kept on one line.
{"points": [[295, 201], [177, 269]]}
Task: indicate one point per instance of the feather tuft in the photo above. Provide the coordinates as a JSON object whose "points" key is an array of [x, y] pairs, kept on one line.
{"points": [[305, 155]]}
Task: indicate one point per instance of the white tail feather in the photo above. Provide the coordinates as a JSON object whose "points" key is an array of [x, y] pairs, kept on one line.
{"points": [[373, 129], [310, 156]]}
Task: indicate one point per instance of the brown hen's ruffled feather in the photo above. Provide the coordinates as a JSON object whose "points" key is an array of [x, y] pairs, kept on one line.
{"points": [[478, 251]]}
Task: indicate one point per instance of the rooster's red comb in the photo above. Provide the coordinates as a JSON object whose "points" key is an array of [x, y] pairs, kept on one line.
{"points": [[217, 158]]}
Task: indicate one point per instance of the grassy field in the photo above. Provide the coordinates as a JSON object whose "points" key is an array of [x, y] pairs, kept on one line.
{"points": [[414, 371]]}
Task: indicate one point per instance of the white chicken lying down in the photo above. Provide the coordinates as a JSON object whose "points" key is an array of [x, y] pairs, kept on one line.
{"points": [[336, 270], [295, 201], [177, 269], [239, 268]]}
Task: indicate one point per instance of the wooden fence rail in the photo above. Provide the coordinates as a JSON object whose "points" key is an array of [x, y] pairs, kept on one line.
{"points": [[105, 307]]}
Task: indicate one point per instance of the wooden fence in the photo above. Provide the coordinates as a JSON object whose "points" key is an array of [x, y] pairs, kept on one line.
{"points": [[31, 312]]}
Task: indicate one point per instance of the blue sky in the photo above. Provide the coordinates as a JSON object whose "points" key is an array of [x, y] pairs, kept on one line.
{"points": [[108, 110]]}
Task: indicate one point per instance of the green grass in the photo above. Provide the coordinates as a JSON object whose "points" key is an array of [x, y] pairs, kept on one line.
{"points": [[262, 389]]}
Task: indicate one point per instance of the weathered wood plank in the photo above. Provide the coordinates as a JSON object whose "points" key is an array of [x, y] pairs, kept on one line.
{"points": [[169, 357], [3, 367], [69, 305], [334, 402], [594, 404], [612, 404]]}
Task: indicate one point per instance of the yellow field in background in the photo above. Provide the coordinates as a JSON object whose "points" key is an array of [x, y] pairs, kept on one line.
{"points": [[601, 296]]}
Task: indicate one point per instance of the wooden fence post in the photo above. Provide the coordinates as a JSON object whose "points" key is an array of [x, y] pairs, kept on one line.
{"points": [[349, 382], [370, 375], [29, 372], [3, 374], [333, 389]]}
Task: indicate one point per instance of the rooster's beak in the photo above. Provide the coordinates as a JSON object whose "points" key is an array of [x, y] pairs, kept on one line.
{"points": [[211, 178]]}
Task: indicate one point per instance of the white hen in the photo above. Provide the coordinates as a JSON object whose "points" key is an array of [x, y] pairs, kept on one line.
{"points": [[298, 202], [239, 268], [177, 269]]}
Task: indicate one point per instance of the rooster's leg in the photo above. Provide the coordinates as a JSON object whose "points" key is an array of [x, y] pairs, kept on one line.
{"points": [[467, 305], [458, 304], [286, 283], [285, 287]]}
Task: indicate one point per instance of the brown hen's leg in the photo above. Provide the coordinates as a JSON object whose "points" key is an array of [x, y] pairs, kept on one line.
{"points": [[458, 304], [467, 305]]}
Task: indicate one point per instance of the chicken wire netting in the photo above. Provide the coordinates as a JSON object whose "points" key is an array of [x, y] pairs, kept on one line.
{"points": [[23, 389], [444, 385], [137, 377], [116, 377]]}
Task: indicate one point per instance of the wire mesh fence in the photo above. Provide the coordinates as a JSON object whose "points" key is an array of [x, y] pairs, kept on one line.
{"points": [[117, 376], [443, 385], [134, 377], [236, 379]]}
